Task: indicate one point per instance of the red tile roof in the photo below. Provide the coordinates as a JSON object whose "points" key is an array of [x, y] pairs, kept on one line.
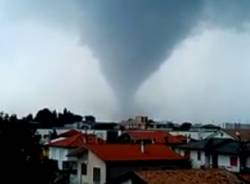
{"points": [[177, 139], [159, 137], [75, 141], [192, 176], [131, 152]]}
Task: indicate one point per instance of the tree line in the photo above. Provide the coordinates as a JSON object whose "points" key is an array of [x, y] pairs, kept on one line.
{"points": [[21, 159], [46, 118], [21, 155]]}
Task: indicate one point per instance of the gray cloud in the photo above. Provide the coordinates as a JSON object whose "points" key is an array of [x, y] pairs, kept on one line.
{"points": [[43, 67], [205, 80], [227, 13], [131, 39]]}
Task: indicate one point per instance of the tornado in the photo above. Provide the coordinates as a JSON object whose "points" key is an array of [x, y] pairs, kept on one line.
{"points": [[132, 38]]}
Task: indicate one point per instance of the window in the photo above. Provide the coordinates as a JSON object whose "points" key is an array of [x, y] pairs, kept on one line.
{"points": [[198, 155], [96, 175], [84, 169], [70, 167], [233, 161]]}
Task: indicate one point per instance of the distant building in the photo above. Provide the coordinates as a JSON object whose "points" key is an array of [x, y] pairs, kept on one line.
{"points": [[140, 122], [151, 137], [89, 122], [44, 134], [236, 126], [228, 154], [201, 133]]}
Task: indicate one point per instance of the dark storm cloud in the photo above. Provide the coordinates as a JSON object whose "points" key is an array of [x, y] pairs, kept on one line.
{"points": [[227, 13], [131, 38]]}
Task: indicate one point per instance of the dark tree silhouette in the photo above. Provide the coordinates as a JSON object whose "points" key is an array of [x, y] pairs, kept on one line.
{"points": [[50, 119], [186, 126], [28, 118], [45, 117], [53, 134], [170, 124], [21, 155]]}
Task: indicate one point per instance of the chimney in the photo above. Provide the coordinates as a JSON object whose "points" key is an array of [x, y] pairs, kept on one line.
{"points": [[142, 147]]}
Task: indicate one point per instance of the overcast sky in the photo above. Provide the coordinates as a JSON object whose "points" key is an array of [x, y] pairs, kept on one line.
{"points": [[205, 79]]}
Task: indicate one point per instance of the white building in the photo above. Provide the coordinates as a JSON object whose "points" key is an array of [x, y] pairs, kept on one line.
{"points": [[45, 133], [200, 134], [140, 122], [101, 163], [213, 153], [59, 148]]}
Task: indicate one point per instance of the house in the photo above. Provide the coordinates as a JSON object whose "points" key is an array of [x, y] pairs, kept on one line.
{"points": [[45, 134], [203, 133], [102, 163], [151, 137], [192, 176], [59, 148], [217, 153], [87, 123], [222, 134], [140, 122]]}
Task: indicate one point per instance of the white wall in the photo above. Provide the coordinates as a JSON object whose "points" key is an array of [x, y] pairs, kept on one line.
{"points": [[198, 135], [194, 159], [59, 154], [45, 132], [99, 133], [202, 134], [221, 134], [224, 162], [92, 161]]}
